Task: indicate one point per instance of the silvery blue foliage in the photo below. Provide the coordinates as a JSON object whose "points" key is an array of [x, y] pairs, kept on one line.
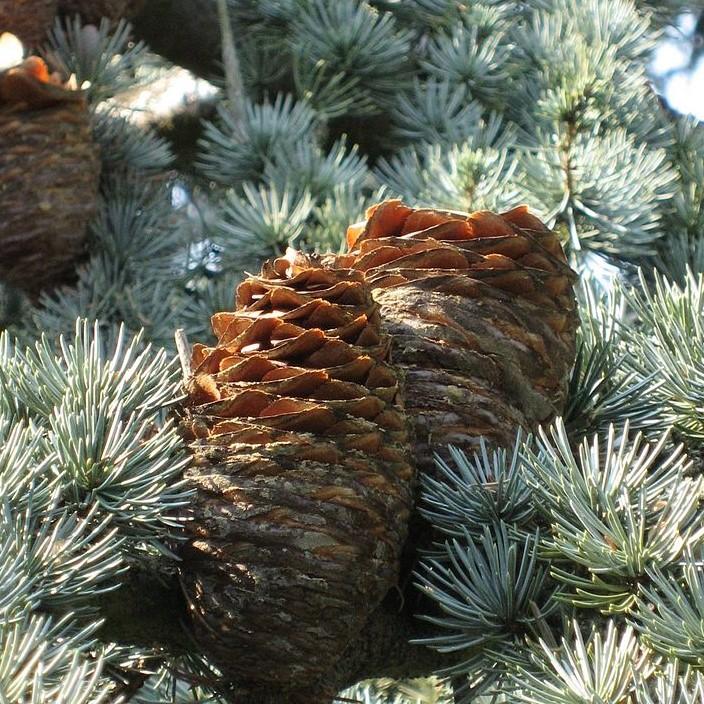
{"points": [[547, 551], [89, 474]]}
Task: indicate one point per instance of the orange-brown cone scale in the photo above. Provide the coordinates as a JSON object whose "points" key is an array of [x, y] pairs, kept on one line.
{"points": [[482, 316], [304, 482], [49, 174]]}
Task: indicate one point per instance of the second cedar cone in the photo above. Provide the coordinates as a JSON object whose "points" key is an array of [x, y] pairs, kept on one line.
{"points": [[302, 469], [481, 312], [49, 173]]}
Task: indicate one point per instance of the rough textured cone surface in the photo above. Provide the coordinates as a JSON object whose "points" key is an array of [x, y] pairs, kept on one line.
{"points": [[482, 316], [94, 10], [301, 464], [49, 173], [29, 20]]}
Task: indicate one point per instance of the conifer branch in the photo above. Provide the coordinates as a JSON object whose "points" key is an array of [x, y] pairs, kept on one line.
{"points": [[230, 60]]}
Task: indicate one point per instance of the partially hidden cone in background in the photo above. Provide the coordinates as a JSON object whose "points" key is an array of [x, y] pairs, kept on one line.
{"points": [[482, 316], [30, 20], [302, 469], [92, 11], [49, 173]]}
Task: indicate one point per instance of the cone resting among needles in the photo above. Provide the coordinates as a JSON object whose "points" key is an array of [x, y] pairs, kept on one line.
{"points": [[481, 312], [303, 474], [49, 171]]}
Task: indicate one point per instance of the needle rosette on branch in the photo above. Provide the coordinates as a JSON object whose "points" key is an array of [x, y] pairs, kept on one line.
{"points": [[302, 468], [481, 313], [49, 172]]}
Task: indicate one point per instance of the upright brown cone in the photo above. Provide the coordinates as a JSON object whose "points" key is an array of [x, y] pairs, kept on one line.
{"points": [[481, 313], [49, 171], [29, 20], [302, 471]]}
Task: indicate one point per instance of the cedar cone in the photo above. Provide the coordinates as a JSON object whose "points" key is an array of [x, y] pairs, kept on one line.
{"points": [[482, 316], [49, 171], [303, 476], [29, 20], [92, 11]]}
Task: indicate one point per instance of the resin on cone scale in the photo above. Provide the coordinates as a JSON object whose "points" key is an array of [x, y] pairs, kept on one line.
{"points": [[481, 312], [49, 173], [301, 465]]}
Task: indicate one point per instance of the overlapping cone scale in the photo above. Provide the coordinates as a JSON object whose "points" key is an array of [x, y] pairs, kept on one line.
{"points": [[481, 312], [302, 470]]}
